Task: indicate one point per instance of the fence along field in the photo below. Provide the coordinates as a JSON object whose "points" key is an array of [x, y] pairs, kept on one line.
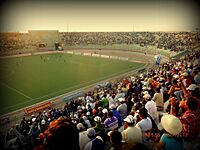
{"points": [[31, 79]]}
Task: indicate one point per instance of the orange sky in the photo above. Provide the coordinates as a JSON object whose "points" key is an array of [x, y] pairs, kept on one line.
{"points": [[99, 16]]}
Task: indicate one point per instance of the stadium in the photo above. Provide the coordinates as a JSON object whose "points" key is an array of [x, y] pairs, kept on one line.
{"points": [[106, 90]]}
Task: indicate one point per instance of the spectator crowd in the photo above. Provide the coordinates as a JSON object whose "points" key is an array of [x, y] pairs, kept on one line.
{"points": [[174, 41], [158, 109]]}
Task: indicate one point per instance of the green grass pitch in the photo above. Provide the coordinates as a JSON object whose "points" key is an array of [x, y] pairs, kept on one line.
{"points": [[31, 79]]}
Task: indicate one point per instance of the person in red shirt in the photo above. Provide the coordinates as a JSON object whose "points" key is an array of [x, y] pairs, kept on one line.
{"points": [[190, 122]]}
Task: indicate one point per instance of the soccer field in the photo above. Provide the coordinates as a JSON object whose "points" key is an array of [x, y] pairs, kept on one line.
{"points": [[31, 79]]}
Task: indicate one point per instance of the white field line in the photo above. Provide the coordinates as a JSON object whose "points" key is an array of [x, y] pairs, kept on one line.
{"points": [[99, 80], [17, 91], [32, 99]]}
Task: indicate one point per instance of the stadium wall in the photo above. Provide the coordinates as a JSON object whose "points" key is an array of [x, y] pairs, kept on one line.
{"points": [[47, 37]]}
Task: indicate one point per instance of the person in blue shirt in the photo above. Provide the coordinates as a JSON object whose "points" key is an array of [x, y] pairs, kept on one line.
{"points": [[172, 139]]}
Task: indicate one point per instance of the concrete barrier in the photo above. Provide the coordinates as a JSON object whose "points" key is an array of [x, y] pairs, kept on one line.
{"points": [[86, 54], [105, 56]]}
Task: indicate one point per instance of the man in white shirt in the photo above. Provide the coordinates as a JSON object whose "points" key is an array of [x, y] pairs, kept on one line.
{"points": [[144, 124], [83, 137], [131, 134], [122, 108], [151, 108]]}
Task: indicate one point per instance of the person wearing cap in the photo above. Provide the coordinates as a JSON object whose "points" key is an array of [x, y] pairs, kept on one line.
{"points": [[99, 127], [86, 122], [83, 138], [191, 91], [43, 125], [151, 108], [131, 134], [171, 139], [144, 124], [104, 114], [122, 108], [96, 142], [185, 79], [116, 114]]}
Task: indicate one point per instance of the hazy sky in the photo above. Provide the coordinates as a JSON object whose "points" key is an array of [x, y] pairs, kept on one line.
{"points": [[94, 15]]}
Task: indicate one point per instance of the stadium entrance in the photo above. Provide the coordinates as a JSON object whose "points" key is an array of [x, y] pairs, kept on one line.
{"points": [[58, 46], [45, 38]]}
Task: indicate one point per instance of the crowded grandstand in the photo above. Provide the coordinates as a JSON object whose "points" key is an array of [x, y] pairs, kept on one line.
{"points": [[173, 41], [155, 109]]}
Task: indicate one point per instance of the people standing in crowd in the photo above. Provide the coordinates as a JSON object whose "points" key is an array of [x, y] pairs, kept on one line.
{"points": [[169, 71], [158, 99]]}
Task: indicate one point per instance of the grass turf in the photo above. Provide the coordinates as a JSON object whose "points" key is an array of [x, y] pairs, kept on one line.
{"points": [[31, 79]]}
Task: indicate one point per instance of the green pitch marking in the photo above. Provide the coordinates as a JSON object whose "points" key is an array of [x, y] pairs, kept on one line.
{"points": [[31, 79]]}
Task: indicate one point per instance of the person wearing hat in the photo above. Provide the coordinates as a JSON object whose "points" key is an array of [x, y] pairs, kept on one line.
{"points": [[104, 114], [116, 114], [99, 127], [131, 134], [83, 138], [171, 139], [96, 142], [191, 91], [151, 107], [185, 79], [87, 122]]}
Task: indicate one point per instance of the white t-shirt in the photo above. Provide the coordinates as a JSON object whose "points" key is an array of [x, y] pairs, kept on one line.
{"points": [[144, 124], [83, 139], [152, 109], [122, 108], [132, 134]]}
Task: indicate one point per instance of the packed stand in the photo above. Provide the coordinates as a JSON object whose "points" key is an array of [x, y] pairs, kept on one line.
{"points": [[158, 109], [174, 41], [14, 41]]}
